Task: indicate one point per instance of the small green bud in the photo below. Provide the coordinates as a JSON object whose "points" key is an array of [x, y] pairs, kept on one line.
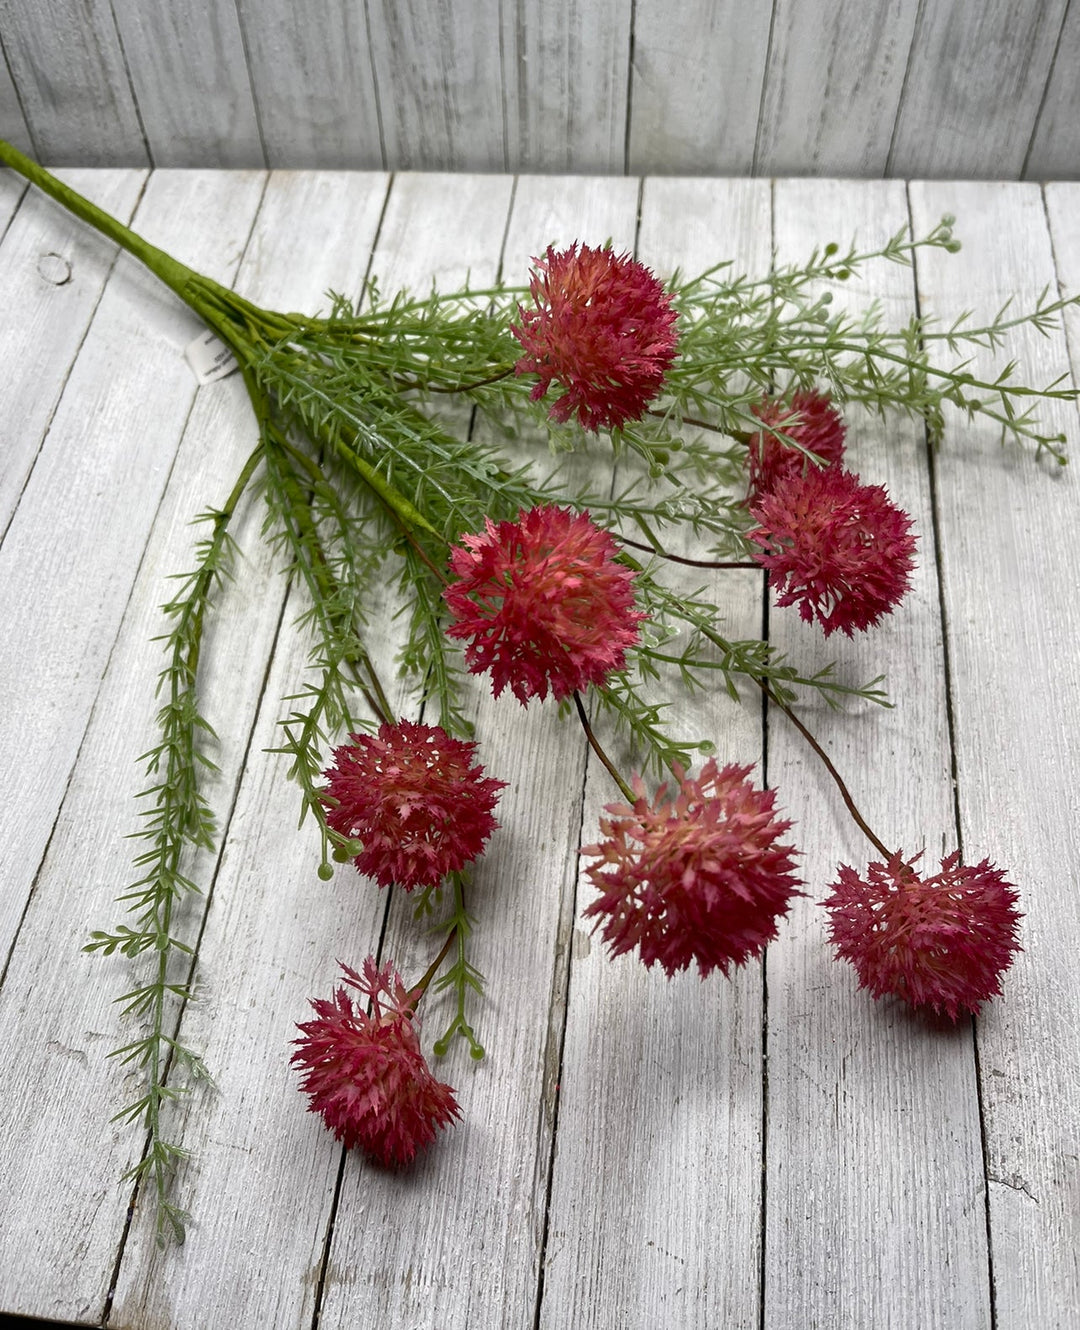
{"points": [[326, 872], [439, 1048], [476, 1052], [707, 747], [831, 248], [341, 855]]}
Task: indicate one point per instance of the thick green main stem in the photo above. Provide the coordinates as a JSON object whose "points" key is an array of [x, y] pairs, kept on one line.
{"points": [[172, 272]]}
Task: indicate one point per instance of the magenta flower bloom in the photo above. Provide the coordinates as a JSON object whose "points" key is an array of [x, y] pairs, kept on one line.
{"points": [[698, 876], [366, 1076], [415, 800], [940, 942], [839, 549], [542, 603], [603, 329], [811, 421]]}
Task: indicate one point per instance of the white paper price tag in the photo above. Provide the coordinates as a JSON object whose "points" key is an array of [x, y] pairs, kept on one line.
{"points": [[210, 359]]}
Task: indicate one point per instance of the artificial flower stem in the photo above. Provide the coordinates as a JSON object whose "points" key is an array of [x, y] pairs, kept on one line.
{"points": [[418, 990], [594, 744], [174, 274], [845, 793], [470, 387], [692, 563]]}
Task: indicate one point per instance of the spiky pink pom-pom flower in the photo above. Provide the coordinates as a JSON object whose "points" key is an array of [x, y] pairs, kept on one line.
{"points": [[414, 799], [839, 549], [809, 420], [695, 876], [365, 1074], [603, 329], [542, 603], [941, 942]]}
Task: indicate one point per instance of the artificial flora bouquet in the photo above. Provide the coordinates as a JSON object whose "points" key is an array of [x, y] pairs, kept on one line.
{"points": [[712, 410]]}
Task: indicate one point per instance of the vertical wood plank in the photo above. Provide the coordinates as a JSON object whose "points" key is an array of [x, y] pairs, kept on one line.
{"points": [[566, 73], [461, 1233], [695, 89], [99, 479], [439, 83], [657, 1159], [313, 83], [190, 80], [974, 83], [53, 272], [1010, 557], [312, 232], [836, 69], [1055, 146], [875, 1196], [13, 126], [93, 460], [68, 65]]}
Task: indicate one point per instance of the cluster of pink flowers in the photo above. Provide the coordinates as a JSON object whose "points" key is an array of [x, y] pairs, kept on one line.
{"points": [[699, 874], [940, 942], [602, 328], [841, 550], [542, 603], [415, 800], [365, 1073]]}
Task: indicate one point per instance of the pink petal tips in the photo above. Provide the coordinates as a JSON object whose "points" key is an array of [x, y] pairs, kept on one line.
{"points": [[542, 603], [940, 942], [416, 801], [365, 1075], [697, 876], [603, 329]]}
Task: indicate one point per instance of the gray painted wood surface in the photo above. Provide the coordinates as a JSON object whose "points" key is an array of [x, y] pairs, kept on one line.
{"points": [[771, 1150], [866, 88]]}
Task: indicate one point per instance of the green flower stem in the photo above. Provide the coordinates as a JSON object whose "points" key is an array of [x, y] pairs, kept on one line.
{"points": [[461, 977], [174, 274], [179, 818]]}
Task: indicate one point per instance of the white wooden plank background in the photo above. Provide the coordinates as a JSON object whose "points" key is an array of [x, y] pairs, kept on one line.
{"points": [[811, 87], [774, 1150]]}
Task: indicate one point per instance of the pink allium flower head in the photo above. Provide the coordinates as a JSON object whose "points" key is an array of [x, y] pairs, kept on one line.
{"points": [[416, 801], [698, 876], [816, 425], [603, 329], [542, 603], [840, 549], [365, 1074], [941, 942]]}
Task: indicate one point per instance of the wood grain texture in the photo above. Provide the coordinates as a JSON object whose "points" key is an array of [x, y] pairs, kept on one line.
{"points": [[657, 1163], [131, 370], [1054, 153], [190, 80], [13, 125], [565, 72], [1009, 524], [55, 269], [109, 452], [696, 81], [313, 83], [313, 232], [471, 1257], [835, 75], [634, 1152], [875, 1194], [974, 83], [439, 82], [67, 63]]}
